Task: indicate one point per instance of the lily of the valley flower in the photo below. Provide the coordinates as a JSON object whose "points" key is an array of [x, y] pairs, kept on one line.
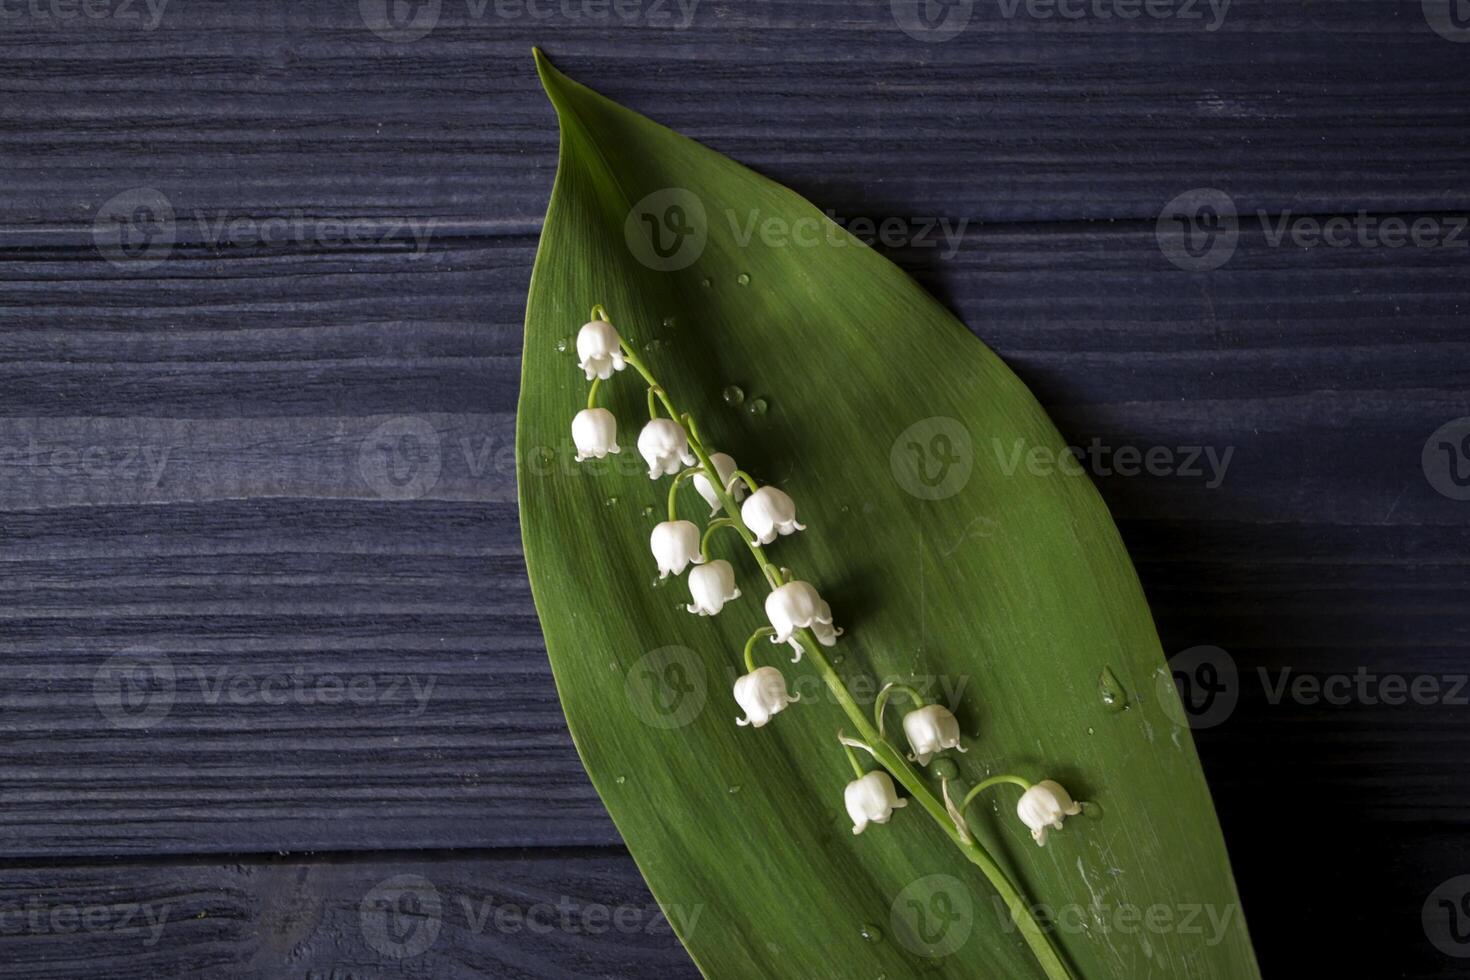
{"points": [[675, 544], [599, 350], [725, 467], [762, 693], [664, 447], [1045, 805], [871, 798], [595, 432], [769, 512], [794, 606], [931, 729], [711, 586]]}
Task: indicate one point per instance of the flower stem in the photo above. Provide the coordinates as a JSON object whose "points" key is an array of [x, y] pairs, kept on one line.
{"points": [[592, 393], [709, 531], [889, 757], [750, 647], [988, 783], [886, 693]]}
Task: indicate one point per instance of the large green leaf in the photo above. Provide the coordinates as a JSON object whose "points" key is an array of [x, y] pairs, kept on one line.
{"points": [[955, 556]]}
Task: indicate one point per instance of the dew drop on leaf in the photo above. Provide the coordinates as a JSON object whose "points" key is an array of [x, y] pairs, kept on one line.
{"points": [[757, 407], [669, 322], [871, 933], [648, 511], [611, 501], [705, 283], [1114, 697], [621, 780], [733, 394], [561, 346], [734, 789], [944, 769], [743, 279]]}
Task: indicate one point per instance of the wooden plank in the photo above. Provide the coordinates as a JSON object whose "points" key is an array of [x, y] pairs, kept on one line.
{"points": [[1021, 116], [546, 914], [584, 913], [272, 539]]}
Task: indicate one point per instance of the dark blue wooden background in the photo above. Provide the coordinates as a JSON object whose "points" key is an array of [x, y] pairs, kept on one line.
{"points": [[260, 689]]}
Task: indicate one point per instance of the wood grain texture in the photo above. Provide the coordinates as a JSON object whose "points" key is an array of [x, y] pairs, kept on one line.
{"points": [[517, 916], [264, 370]]}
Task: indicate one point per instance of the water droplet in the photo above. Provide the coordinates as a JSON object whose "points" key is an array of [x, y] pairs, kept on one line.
{"points": [[705, 283], [743, 279], [733, 394], [561, 346], [1092, 810], [839, 659], [1114, 697], [757, 407], [669, 323], [621, 780], [943, 768], [610, 501], [648, 511], [734, 789], [871, 933], [1091, 730]]}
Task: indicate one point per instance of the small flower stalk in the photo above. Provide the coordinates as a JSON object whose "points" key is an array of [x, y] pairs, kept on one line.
{"points": [[797, 615]]}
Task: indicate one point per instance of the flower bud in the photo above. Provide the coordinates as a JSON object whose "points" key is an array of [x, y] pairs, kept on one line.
{"points": [[871, 798], [762, 693], [595, 431]]}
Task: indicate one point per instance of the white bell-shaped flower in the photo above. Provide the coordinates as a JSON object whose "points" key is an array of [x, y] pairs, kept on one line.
{"points": [[664, 447], [769, 512], [796, 605], [595, 432], [1045, 805], [599, 350], [931, 729], [762, 693], [675, 544], [711, 586], [725, 466], [872, 798]]}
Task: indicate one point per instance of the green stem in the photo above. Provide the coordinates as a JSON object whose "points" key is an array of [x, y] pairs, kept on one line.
{"points": [[652, 405], [886, 693], [750, 647], [674, 491], [857, 765], [592, 393], [749, 482], [891, 758], [714, 526], [988, 783]]}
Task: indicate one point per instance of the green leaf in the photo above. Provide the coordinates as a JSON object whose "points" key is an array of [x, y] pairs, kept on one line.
{"points": [[956, 558]]}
